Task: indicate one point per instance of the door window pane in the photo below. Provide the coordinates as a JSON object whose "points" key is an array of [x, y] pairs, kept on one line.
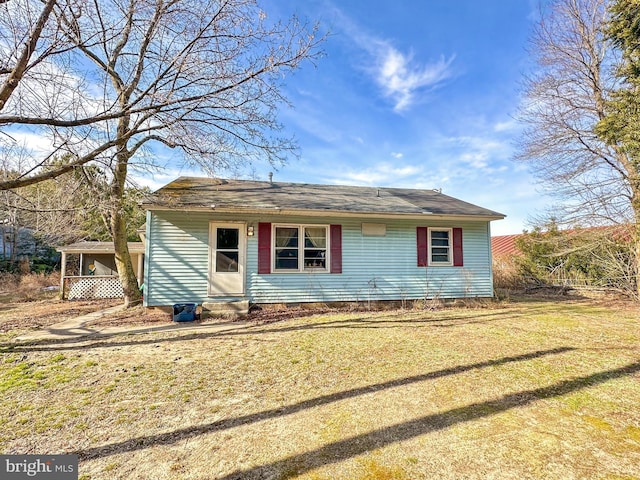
{"points": [[227, 238], [226, 262]]}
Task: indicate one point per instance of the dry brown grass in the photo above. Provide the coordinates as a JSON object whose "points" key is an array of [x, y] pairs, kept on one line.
{"points": [[506, 273], [18, 317], [26, 287], [537, 389]]}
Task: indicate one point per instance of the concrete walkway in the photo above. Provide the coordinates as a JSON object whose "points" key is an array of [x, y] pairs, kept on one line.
{"points": [[77, 328]]}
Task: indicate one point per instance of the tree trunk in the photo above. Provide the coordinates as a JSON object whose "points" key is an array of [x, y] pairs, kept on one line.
{"points": [[635, 203], [132, 295], [14, 242], [4, 244], [637, 259]]}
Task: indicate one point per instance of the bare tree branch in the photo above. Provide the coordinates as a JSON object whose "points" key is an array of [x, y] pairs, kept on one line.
{"points": [[15, 75]]}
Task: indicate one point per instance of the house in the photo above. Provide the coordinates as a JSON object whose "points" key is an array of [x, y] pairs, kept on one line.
{"points": [[94, 274], [211, 240], [16, 242]]}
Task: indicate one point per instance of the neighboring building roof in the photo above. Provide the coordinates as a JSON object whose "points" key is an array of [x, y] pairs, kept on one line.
{"points": [[99, 247], [505, 245], [195, 193]]}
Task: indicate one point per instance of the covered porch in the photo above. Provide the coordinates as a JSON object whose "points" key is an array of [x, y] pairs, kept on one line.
{"points": [[88, 270]]}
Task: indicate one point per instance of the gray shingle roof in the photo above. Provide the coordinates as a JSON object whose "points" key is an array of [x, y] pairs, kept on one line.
{"points": [[213, 193]]}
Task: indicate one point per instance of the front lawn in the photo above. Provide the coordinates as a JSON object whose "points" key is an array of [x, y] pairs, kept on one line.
{"points": [[527, 389]]}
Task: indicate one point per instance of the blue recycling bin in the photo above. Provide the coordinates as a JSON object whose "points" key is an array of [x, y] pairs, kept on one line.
{"points": [[184, 312]]}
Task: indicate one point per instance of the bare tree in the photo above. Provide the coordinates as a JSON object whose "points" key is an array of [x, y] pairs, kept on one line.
{"points": [[202, 77], [564, 101], [24, 26]]}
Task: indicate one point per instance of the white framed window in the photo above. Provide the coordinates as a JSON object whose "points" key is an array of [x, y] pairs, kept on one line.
{"points": [[300, 248], [440, 247]]}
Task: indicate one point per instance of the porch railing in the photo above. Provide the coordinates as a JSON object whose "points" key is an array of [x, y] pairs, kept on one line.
{"points": [[98, 286]]}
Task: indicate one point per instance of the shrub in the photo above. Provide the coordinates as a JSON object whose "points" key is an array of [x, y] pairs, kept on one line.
{"points": [[595, 257]]}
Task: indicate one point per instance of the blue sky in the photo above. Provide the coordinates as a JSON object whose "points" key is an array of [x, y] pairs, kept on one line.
{"points": [[415, 94]]}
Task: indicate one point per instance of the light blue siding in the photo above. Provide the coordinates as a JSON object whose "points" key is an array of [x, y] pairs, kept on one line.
{"points": [[373, 268]]}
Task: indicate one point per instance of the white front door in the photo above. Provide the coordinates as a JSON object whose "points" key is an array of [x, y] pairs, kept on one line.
{"points": [[226, 259]]}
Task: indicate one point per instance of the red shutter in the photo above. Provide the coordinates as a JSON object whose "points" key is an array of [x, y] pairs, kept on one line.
{"points": [[264, 248], [336, 249], [457, 247], [421, 235]]}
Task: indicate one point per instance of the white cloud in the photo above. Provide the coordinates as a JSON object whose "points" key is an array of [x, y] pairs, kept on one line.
{"points": [[398, 73], [38, 145], [397, 155], [505, 126], [482, 153], [401, 77], [475, 159], [155, 180], [379, 174]]}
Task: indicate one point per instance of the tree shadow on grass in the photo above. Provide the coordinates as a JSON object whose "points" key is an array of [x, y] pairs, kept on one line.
{"points": [[105, 340], [351, 447], [175, 436]]}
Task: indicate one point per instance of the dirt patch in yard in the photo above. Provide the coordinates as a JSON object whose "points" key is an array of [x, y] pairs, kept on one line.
{"points": [[258, 315], [134, 316], [22, 316], [138, 316]]}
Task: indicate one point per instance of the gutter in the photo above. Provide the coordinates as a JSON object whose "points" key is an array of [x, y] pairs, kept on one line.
{"points": [[325, 213]]}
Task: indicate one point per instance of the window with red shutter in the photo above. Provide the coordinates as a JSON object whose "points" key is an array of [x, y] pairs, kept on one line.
{"points": [[439, 246]]}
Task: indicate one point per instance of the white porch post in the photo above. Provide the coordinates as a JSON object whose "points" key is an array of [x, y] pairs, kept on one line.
{"points": [[63, 272], [140, 266]]}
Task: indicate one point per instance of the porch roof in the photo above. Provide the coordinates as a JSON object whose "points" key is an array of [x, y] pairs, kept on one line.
{"points": [[99, 247]]}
